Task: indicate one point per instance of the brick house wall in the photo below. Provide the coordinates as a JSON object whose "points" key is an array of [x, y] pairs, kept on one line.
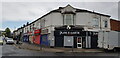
{"points": [[115, 25], [119, 26]]}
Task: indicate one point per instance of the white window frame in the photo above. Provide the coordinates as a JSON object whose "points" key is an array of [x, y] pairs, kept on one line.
{"points": [[65, 19], [95, 22], [105, 25], [42, 23]]}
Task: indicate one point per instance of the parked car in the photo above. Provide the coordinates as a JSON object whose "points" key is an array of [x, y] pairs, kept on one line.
{"points": [[1, 40], [6, 38], [9, 41]]}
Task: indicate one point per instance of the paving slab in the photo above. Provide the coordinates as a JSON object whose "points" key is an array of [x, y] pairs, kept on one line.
{"points": [[47, 49]]}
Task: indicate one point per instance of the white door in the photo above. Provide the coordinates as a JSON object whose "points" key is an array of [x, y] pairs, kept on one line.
{"points": [[79, 42]]}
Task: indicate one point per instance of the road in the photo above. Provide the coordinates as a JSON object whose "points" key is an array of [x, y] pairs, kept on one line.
{"points": [[11, 50]]}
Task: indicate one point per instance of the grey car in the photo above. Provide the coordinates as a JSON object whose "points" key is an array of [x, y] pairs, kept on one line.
{"points": [[9, 41]]}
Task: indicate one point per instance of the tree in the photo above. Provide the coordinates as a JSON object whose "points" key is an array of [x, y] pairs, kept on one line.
{"points": [[3, 33], [8, 32]]}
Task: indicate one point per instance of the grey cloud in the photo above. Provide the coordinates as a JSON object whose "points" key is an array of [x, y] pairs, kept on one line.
{"points": [[29, 11], [0, 15], [60, 0], [109, 8]]}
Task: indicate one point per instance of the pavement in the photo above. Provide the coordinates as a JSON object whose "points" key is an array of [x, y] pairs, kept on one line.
{"points": [[55, 49], [26, 50], [17, 51]]}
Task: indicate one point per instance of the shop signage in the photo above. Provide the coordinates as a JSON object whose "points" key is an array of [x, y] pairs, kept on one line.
{"points": [[37, 31], [45, 31], [68, 32], [25, 34], [30, 33], [68, 27], [95, 33]]}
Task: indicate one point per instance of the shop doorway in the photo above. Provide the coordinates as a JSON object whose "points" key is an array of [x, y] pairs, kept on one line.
{"points": [[79, 42]]}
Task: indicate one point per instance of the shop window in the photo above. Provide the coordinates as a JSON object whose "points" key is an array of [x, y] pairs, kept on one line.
{"points": [[68, 19]]}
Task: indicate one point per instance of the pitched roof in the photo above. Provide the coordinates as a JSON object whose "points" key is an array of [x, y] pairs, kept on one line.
{"points": [[77, 10]]}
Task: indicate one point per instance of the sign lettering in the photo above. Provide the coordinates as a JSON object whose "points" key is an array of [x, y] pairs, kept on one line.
{"points": [[66, 32]]}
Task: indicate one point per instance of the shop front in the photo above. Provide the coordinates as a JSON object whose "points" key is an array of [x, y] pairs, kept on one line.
{"points": [[44, 40], [74, 37], [25, 37], [30, 37], [44, 37], [36, 38]]}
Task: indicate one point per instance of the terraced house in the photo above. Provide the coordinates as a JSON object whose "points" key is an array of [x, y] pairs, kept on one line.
{"points": [[67, 27]]}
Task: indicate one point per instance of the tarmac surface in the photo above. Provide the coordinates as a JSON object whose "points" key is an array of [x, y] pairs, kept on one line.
{"points": [[56, 49], [13, 51]]}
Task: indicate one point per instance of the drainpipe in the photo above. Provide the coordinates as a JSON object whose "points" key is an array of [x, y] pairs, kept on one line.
{"points": [[101, 31], [103, 40], [86, 39]]}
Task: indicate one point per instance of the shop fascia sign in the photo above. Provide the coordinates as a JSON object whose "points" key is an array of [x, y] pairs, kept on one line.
{"points": [[29, 33], [37, 31], [44, 31], [68, 27], [69, 32], [25, 34], [95, 33]]}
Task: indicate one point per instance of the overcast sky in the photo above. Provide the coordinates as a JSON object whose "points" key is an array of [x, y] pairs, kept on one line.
{"points": [[15, 14]]}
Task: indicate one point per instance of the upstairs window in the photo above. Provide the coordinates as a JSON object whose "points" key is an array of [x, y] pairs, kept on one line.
{"points": [[42, 23], [105, 24], [68, 19], [96, 22], [30, 28]]}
